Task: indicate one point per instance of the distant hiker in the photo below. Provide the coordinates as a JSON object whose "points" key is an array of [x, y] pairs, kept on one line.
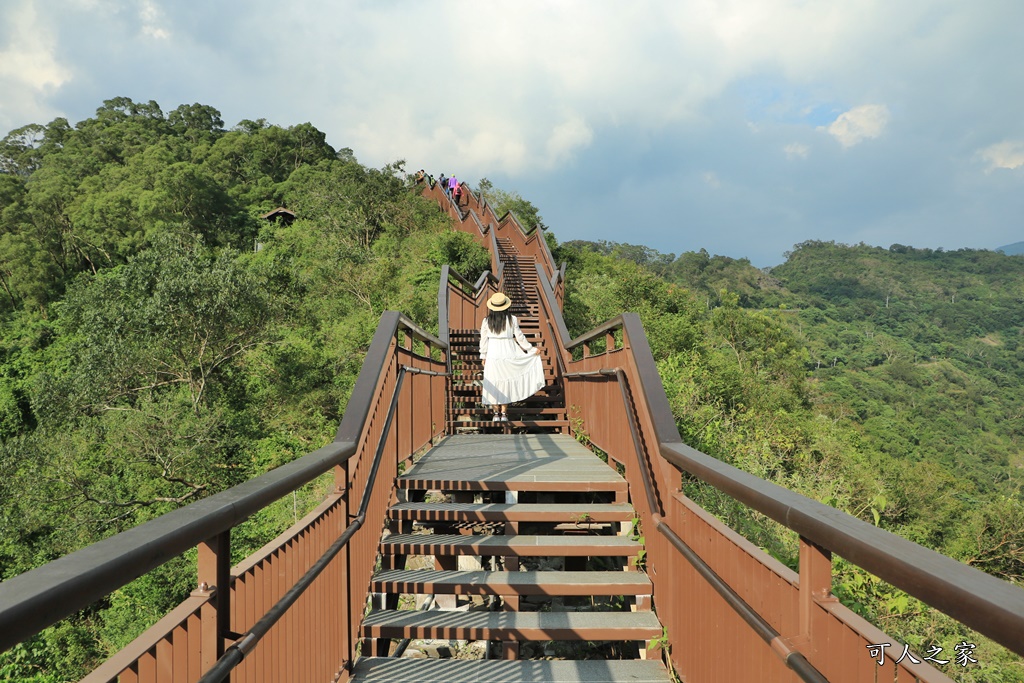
{"points": [[512, 365], [457, 195], [452, 184], [420, 174], [443, 182]]}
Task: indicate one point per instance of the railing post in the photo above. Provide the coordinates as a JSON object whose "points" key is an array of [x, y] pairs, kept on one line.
{"points": [[345, 560], [815, 585], [214, 571]]}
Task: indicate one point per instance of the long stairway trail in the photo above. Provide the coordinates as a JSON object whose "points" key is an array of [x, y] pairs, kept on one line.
{"points": [[512, 541], [520, 539], [543, 412]]}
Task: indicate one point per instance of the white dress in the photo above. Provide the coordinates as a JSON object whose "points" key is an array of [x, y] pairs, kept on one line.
{"points": [[511, 372]]}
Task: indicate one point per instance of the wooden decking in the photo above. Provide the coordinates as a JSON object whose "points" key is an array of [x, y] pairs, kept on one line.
{"points": [[559, 580]]}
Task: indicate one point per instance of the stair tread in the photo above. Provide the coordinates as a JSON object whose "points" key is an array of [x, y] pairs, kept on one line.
{"points": [[519, 461], [513, 409], [522, 545], [512, 583], [489, 422], [403, 670], [514, 512], [487, 625]]}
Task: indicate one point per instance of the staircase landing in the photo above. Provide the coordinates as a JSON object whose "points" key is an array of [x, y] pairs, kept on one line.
{"points": [[383, 670], [511, 462]]}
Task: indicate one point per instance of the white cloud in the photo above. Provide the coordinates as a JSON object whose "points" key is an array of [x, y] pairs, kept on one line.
{"points": [[648, 67], [29, 69], [711, 179], [797, 150], [150, 15], [859, 124], [1006, 154], [28, 58], [521, 91], [566, 138]]}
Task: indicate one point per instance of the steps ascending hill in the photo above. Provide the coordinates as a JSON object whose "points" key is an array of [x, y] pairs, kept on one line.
{"points": [[543, 566], [543, 412]]}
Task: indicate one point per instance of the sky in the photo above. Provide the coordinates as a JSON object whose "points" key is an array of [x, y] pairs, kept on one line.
{"points": [[742, 127]]}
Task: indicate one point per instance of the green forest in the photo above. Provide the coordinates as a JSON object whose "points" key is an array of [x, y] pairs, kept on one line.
{"points": [[160, 341]]}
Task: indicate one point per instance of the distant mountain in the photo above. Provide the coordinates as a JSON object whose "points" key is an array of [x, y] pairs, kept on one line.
{"points": [[1012, 249]]}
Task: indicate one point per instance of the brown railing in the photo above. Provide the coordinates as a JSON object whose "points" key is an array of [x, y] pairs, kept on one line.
{"points": [[291, 611], [716, 593], [396, 408], [460, 303], [479, 220]]}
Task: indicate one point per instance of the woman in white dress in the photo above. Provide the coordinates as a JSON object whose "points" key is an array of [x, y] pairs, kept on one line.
{"points": [[512, 365]]}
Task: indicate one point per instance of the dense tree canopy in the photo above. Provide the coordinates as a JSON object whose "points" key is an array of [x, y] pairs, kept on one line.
{"points": [[886, 382], [160, 342]]}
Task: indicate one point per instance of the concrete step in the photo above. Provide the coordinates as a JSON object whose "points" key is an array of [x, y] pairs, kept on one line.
{"points": [[560, 583], [485, 625], [392, 670]]}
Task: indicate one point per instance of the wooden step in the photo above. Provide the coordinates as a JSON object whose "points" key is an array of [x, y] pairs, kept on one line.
{"points": [[478, 366], [517, 545], [561, 583], [465, 340], [513, 512], [402, 670], [470, 391], [485, 625]]}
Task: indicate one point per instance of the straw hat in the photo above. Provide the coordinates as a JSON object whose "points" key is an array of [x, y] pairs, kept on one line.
{"points": [[499, 302]]}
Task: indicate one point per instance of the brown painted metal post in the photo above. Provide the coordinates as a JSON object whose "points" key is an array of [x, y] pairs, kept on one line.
{"points": [[214, 570], [815, 584], [344, 564]]}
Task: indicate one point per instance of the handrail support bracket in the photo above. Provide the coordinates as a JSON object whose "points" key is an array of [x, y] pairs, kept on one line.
{"points": [[815, 585]]}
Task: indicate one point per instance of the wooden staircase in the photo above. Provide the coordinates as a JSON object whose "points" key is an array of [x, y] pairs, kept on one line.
{"points": [[512, 541], [544, 412], [523, 540]]}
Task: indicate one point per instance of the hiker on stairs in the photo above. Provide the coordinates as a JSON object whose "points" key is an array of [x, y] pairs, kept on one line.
{"points": [[513, 370]]}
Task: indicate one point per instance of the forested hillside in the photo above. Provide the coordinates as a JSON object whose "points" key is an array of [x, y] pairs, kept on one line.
{"points": [[150, 355], [159, 341], [886, 382]]}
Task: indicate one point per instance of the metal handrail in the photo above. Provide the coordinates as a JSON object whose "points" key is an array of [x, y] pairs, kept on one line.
{"points": [[499, 264], [443, 290], [992, 607], [361, 400], [40, 597], [234, 655], [793, 659]]}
